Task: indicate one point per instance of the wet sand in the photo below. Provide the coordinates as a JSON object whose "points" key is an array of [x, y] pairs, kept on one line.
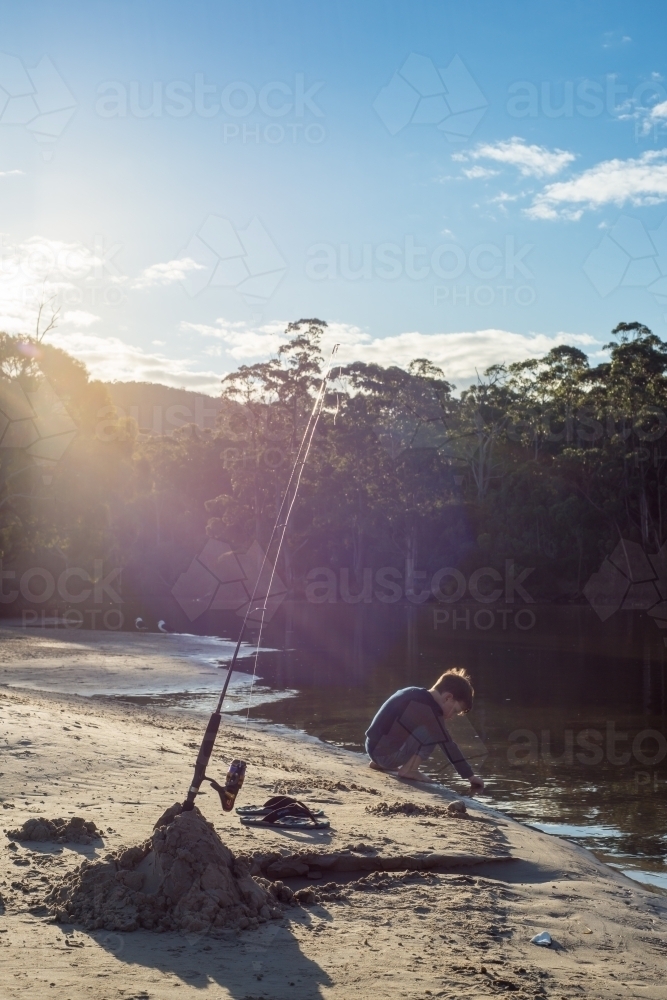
{"points": [[460, 930], [116, 664]]}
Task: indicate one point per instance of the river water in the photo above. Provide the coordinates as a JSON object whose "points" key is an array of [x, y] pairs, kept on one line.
{"points": [[568, 728]]}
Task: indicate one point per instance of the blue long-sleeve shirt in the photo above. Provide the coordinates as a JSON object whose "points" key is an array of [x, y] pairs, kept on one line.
{"points": [[392, 711]]}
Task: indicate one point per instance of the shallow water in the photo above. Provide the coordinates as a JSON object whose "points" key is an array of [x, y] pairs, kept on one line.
{"points": [[568, 728]]}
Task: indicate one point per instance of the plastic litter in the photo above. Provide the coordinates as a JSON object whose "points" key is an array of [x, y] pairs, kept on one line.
{"points": [[543, 939]]}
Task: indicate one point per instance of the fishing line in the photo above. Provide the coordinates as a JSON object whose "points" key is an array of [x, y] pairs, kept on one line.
{"points": [[236, 773], [297, 471], [315, 416], [337, 398]]}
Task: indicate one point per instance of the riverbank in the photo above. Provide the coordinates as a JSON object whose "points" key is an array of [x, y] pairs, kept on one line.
{"points": [[126, 665], [461, 930]]}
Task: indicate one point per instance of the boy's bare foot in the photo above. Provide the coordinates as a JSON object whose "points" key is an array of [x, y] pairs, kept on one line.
{"points": [[416, 776], [376, 767]]}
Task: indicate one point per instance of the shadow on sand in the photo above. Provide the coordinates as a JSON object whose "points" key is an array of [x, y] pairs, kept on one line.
{"points": [[250, 965]]}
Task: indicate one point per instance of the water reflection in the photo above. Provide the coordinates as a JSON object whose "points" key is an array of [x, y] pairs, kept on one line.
{"points": [[569, 718]]}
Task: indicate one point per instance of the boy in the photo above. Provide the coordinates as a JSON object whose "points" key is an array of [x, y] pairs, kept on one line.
{"points": [[410, 724]]}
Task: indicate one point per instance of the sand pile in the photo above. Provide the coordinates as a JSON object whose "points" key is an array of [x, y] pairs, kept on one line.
{"points": [[312, 864], [334, 892], [304, 785], [455, 809], [183, 878], [58, 831]]}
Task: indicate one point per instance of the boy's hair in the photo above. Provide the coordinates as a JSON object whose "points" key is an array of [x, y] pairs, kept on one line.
{"points": [[457, 681]]}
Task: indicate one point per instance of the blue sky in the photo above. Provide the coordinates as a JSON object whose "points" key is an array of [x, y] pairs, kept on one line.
{"points": [[470, 182]]}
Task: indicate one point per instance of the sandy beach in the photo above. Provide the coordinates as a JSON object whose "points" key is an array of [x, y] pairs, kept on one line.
{"points": [[458, 925]]}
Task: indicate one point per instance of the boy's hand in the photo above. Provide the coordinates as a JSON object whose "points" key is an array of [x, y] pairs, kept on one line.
{"points": [[476, 784]]}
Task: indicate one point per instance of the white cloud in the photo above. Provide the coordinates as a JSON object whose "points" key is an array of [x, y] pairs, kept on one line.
{"points": [[641, 181], [12, 173], [168, 273], [531, 161], [242, 342], [111, 359], [479, 173], [503, 197], [659, 111], [612, 39], [52, 273], [460, 355], [79, 317], [647, 107]]}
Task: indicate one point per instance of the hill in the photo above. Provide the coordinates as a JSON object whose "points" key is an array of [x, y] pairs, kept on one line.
{"points": [[161, 408]]}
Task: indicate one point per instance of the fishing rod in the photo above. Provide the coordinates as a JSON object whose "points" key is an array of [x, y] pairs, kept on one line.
{"points": [[236, 774]]}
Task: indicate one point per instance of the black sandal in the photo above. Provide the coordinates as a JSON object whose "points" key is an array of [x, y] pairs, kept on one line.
{"points": [[275, 802], [295, 815]]}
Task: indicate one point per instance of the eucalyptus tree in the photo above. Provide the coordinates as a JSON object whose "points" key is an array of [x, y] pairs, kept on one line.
{"points": [[259, 428], [629, 397]]}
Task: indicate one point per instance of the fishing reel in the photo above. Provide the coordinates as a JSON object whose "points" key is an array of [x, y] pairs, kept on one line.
{"points": [[235, 774], [232, 785]]}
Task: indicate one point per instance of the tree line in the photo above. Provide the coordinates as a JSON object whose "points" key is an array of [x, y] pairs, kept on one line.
{"points": [[548, 462]]}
